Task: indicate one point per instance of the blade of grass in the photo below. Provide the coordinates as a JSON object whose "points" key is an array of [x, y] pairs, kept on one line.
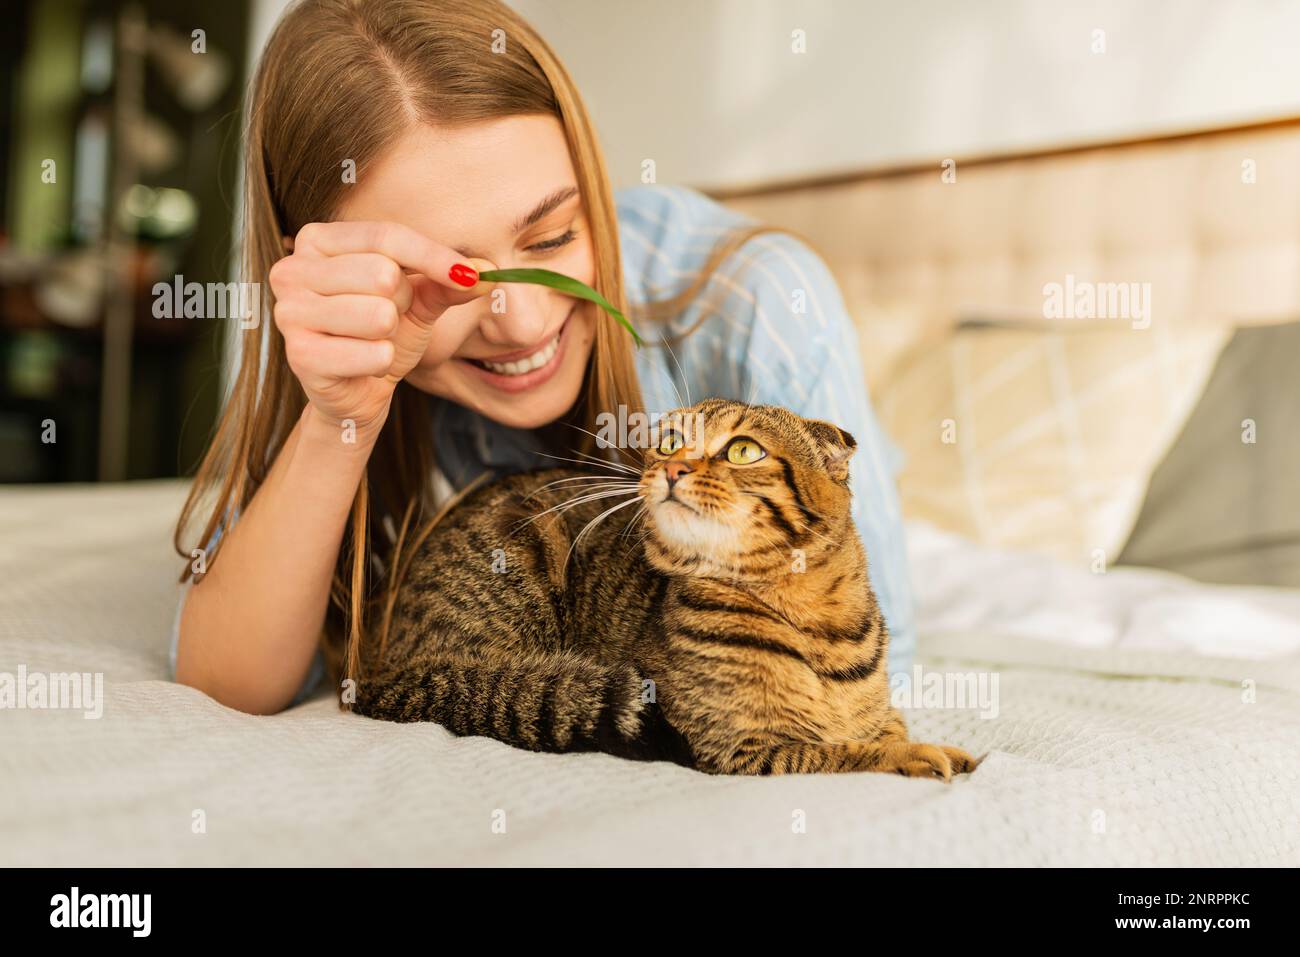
{"points": [[565, 284]]}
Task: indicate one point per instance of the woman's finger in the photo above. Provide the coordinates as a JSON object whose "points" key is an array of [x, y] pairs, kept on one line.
{"points": [[318, 359], [453, 326], [455, 275], [369, 274], [358, 317]]}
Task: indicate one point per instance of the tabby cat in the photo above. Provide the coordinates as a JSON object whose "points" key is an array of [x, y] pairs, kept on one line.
{"points": [[727, 624]]}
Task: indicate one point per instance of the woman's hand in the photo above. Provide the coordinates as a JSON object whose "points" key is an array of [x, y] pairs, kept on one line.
{"points": [[356, 303]]}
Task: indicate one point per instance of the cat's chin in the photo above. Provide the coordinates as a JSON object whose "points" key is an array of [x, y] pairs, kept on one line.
{"points": [[687, 534]]}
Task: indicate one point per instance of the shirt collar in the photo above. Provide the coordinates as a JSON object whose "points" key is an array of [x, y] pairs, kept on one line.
{"points": [[478, 443]]}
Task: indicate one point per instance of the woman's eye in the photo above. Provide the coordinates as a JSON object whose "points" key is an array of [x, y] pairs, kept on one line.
{"points": [[549, 244], [744, 451], [670, 443]]}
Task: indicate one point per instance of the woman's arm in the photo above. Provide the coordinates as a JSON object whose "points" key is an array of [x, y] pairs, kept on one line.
{"points": [[357, 304], [250, 628]]}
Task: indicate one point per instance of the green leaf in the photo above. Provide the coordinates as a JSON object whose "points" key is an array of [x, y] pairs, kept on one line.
{"points": [[565, 284]]}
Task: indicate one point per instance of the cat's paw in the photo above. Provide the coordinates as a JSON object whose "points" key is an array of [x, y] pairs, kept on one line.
{"points": [[962, 763], [916, 760]]}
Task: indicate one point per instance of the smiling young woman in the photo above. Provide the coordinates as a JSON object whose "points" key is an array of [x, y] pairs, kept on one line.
{"points": [[391, 376]]}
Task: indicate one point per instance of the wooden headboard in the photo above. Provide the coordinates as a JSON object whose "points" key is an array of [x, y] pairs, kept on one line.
{"points": [[1211, 219]]}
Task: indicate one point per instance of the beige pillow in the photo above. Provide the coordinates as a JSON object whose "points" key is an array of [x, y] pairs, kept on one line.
{"points": [[1043, 434], [890, 331]]}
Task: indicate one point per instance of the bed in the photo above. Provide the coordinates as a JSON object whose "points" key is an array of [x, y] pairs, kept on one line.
{"points": [[1117, 739], [1131, 717]]}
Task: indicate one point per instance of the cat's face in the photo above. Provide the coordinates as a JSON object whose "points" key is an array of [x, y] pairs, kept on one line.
{"points": [[733, 489]]}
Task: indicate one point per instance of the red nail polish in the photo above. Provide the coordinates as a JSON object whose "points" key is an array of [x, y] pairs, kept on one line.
{"points": [[465, 275]]}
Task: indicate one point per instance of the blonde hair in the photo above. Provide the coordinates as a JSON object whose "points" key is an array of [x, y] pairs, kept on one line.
{"points": [[344, 78]]}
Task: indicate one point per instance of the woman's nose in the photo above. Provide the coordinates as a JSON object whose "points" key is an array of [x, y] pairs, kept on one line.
{"points": [[517, 315]]}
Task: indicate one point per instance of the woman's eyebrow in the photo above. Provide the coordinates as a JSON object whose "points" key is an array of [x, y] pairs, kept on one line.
{"points": [[560, 196], [544, 207]]}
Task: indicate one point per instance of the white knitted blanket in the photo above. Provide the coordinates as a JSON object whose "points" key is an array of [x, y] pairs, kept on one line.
{"points": [[1103, 755]]}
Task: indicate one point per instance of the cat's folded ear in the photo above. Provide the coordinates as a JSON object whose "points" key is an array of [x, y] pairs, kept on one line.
{"points": [[835, 445]]}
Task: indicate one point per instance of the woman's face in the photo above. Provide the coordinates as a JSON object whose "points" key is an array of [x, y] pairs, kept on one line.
{"points": [[503, 190]]}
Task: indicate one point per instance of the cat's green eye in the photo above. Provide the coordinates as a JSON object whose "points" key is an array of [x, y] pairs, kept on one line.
{"points": [[744, 451], [670, 443]]}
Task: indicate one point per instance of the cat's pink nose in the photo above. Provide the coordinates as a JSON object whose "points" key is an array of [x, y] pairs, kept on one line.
{"points": [[676, 470]]}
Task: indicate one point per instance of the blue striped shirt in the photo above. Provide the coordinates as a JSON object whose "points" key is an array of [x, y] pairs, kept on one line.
{"points": [[776, 332]]}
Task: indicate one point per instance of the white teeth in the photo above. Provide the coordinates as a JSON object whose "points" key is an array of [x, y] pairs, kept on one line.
{"points": [[527, 363]]}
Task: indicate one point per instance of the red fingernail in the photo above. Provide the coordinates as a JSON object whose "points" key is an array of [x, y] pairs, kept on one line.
{"points": [[465, 275]]}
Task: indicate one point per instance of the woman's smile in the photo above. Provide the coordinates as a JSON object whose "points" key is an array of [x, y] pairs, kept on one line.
{"points": [[525, 369]]}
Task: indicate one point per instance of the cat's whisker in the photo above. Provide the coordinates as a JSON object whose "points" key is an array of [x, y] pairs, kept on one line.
{"points": [[610, 483], [631, 522], [593, 496], [617, 448], [580, 500], [577, 478], [587, 487], [646, 528], [685, 381], [596, 521], [592, 460], [585, 483], [832, 542], [586, 496], [768, 539], [807, 528], [816, 514]]}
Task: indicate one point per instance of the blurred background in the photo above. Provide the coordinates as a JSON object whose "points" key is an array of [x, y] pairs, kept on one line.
{"points": [[119, 159], [119, 148]]}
